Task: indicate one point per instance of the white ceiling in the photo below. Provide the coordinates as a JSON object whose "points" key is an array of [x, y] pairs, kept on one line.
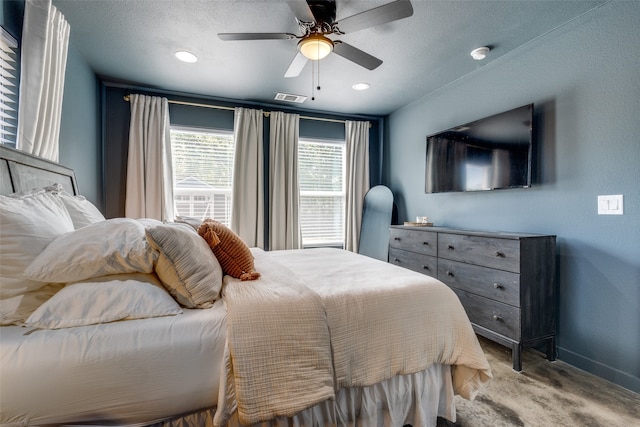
{"points": [[133, 42]]}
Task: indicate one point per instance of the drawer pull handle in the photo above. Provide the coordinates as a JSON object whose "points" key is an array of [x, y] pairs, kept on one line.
{"points": [[497, 318], [450, 247], [498, 286], [500, 254], [425, 243], [450, 274], [397, 238], [396, 260], [425, 267]]}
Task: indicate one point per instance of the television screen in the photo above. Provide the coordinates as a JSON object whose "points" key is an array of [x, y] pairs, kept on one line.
{"points": [[487, 154]]}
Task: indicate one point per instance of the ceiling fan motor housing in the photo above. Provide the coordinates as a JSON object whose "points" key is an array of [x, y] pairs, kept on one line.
{"points": [[323, 10]]}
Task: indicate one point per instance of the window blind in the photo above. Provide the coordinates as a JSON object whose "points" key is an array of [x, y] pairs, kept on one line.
{"points": [[322, 194], [202, 167], [8, 88]]}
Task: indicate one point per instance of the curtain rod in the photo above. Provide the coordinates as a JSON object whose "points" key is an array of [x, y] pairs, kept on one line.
{"points": [[223, 107]]}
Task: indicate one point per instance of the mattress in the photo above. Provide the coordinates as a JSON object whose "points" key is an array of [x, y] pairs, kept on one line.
{"points": [[127, 372]]}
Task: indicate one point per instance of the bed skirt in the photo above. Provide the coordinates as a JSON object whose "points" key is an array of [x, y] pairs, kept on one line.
{"points": [[416, 399]]}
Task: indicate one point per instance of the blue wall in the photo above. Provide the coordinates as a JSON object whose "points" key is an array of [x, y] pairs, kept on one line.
{"points": [[80, 138], [11, 12], [584, 79]]}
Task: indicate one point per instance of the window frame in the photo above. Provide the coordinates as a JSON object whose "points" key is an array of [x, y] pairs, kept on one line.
{"points": [[321, 193], [198, 196]]}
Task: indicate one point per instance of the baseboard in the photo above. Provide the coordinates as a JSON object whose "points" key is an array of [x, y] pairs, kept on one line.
{"points": [[608, 373]]}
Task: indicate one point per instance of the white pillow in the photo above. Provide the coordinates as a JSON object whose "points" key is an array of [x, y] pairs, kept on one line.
{"points": [[28, 223], [113, 246], [105, 299], [82, 211], [15, 310], [185, 264]]}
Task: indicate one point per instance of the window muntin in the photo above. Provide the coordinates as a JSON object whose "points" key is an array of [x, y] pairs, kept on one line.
{"points": [[322, 192], [203, 172]]}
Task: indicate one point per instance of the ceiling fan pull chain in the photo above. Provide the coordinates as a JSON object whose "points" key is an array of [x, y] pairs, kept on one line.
{"points": [[313, 81], [318, 80]]}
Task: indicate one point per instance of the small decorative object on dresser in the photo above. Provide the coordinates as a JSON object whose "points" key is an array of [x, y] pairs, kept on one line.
{"points": [[505, 281]]}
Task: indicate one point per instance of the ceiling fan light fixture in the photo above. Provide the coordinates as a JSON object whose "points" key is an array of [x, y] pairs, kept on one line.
{"points": [[315, 46]]}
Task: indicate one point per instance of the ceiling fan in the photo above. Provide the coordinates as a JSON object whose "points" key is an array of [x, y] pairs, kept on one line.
{"points": [[317, 20]]}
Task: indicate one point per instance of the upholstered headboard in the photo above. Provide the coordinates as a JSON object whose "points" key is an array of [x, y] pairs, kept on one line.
{"points": [[20, 171]]}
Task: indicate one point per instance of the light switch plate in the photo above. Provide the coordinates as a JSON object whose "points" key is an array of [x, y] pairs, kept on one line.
{"points": [[610, 205]]}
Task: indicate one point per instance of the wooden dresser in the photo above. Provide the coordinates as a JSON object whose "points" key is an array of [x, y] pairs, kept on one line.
{"points": [[505, 281]]}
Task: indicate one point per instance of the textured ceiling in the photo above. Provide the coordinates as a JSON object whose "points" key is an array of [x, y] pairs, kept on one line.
{"points": [[133, 41]]}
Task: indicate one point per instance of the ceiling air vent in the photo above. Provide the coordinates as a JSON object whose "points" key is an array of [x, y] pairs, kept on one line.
{"points": [[287, 97]]}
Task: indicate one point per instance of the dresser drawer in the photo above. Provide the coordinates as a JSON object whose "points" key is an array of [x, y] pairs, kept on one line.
{"points": [[417, 262], [502, 286], [423, 242], [505, 281], [503, 254], [496, 316]]}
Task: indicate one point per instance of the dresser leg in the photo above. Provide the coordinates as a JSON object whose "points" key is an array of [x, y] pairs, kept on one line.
{"points": [[516, 353], [551, 349]]}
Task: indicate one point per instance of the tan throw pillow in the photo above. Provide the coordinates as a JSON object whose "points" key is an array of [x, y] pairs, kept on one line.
{"points": [[233, 254], [185, 265]]}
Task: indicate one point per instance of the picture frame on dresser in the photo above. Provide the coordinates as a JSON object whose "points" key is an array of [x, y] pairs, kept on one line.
{"points": [[505, 281]]}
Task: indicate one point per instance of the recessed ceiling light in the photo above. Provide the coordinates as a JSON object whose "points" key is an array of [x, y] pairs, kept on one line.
{"points": [[480, 53], [185, 56], [360, 86]]}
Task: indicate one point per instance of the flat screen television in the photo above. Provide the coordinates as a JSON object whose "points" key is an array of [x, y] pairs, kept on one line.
{"points": [[487, 154]]}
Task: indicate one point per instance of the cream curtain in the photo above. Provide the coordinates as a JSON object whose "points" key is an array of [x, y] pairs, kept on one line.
{"points": [[357, 179], [149, 166], [247, 211], [45, 41], [284, 192]]}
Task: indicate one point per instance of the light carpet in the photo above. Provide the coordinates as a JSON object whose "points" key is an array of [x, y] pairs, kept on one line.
{"points": [[544, 394]]}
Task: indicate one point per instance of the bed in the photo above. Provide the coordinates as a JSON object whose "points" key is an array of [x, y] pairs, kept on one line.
{"points": [[323, 337]]}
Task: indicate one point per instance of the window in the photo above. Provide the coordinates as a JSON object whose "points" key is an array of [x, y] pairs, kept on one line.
{"points": [[322, 192], [8, 89], [202, 169]]}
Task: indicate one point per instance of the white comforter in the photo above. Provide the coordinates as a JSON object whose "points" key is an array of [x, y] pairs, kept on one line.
{"points": [[324, 319]]}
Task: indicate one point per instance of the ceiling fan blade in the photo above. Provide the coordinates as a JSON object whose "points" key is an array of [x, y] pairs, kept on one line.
{"points": [[297, 65], [255, 36], [301, 10], [356, 55], [377, 16]]}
